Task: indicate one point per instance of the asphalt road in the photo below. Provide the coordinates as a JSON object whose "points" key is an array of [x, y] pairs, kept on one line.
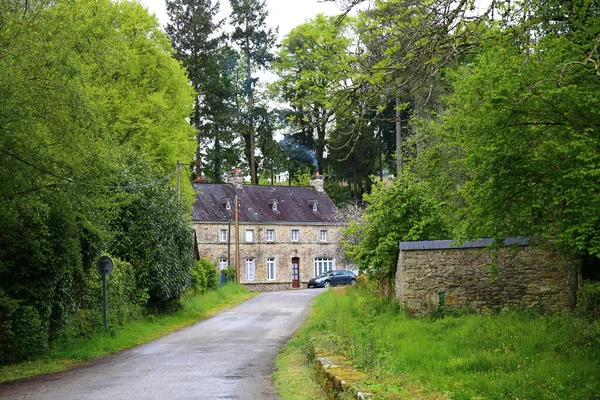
{"points": [[229, 356]]}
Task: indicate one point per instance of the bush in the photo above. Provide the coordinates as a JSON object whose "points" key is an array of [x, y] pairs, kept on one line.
{"points": [[230, 274], [23, 333], [205, 276], [588, 301], [125, 301]]}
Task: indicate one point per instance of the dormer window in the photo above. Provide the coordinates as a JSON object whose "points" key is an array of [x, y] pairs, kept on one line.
{"points": [[273, 204], [226, 203], [313, 204]]}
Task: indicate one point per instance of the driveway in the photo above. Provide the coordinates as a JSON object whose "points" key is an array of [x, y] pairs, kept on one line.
{"points": [[229, 356]]}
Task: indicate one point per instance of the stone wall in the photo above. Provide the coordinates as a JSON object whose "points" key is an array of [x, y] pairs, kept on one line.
{"points": [[308, 247], [486, 279]]}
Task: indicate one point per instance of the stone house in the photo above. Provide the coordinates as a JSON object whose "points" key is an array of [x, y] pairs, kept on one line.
{"points": [[279, 236]]}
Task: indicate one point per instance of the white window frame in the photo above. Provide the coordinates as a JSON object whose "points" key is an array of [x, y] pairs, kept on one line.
{"points": [[222, 235], [271, 268], [249, 234], [297, 236], [323, 235], [250, 269], [270, 235], [222, 264], [323, 264]]}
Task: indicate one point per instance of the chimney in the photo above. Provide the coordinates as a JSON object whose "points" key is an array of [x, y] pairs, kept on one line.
{"points": [[235, 178], [316, 181]]}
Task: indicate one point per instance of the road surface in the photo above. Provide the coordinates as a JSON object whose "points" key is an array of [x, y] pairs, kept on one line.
{"points": [[229, 356]]}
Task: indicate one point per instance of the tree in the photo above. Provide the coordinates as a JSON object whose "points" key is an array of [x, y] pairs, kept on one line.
{"points": [[519, 141], [85, 85], [197, 41], [255, 41], [403, 209], [313, 66]]}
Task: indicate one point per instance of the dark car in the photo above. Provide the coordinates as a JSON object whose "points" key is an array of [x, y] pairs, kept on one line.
{"points": [[332, 278]]}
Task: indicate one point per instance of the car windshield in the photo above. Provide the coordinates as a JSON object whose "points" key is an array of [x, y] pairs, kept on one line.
{"points": [[324, 274]]}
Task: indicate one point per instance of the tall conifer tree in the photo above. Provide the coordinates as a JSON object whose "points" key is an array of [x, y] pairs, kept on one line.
{"points": [[255, 40]]}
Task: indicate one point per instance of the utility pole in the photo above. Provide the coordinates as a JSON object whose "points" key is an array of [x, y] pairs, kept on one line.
{"points": [[178, 180], [237, 240], [398, 135]]}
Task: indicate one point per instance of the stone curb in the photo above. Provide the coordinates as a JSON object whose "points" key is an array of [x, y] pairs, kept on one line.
{"points": [[328, 373]]}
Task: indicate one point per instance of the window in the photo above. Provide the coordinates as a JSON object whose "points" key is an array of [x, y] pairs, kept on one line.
{"points": [[228, 205], [249, 269], [249, 235], [271, 268], [323, 265], [270, 235], [323, 235], [222, 264], [222, 235], [295, 235]]}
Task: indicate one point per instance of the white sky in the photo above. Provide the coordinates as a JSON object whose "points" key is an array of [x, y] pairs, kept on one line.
{"points": [[285, 14]]}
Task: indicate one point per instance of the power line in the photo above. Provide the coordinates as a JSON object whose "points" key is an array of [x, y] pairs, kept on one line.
{"points": [[76, 182]]}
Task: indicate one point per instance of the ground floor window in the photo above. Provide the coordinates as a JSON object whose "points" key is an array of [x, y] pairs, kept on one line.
{"points": [[323, 265], [271, 268], [250, 268], [222, 264]]}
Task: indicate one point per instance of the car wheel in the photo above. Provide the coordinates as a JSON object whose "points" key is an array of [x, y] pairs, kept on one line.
{"points": [[353, 282], [326, 284]]}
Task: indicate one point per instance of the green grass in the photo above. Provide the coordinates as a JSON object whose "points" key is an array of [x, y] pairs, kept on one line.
{"points": [[512, 355], [77, 351], [295, 376]]}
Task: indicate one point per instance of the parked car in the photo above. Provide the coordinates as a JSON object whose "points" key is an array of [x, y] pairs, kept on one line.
{"points": [[332, 278]]}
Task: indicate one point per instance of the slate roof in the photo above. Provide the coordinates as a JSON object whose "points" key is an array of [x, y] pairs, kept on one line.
{"points": [[294, 204]]}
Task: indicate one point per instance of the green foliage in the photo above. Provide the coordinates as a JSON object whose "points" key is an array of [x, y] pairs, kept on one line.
{"points": [[400, 210], [23, 331], [517, 148], [85, 85], [230, 274], [205, 276], [152, 233], [588, 301]]}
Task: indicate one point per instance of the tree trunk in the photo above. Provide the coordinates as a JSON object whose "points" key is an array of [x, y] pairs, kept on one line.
{"points": [[253, 174], [198, 135]]}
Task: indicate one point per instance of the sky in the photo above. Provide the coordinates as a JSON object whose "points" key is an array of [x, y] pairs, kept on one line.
{"points": [[285, 14]]}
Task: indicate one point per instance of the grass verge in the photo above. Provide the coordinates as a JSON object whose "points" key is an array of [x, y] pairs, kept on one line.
{"points": [[512, 355], [74, 352]]}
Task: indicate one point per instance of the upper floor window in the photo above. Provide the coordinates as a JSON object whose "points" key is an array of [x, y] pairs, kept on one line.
{"points": [[323, 235], [270, 235], [249, 235], [295, 235], [222, 235]]}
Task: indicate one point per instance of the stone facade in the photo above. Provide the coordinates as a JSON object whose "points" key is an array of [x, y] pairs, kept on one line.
{"points": [[281, 248], [430, 273]]}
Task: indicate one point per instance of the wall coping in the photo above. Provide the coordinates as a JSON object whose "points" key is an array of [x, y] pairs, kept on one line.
{"points": [[455, 244]]}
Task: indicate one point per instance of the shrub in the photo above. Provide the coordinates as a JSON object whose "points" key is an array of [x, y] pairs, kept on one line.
{"points": [[588, 301], [23, 333], [205, 276], [125, 301], [230, 274]]}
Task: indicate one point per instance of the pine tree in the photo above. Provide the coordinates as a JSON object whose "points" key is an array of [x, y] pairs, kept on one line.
{"points": [[254, 41]]}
